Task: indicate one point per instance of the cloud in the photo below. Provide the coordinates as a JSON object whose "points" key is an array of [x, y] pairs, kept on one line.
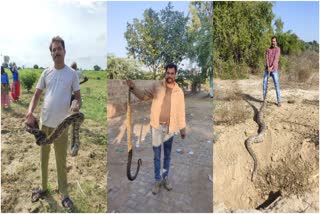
{"points": [[28, 26]]}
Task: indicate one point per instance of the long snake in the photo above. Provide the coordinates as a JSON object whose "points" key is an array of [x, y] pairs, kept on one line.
{"points": [[130, 177], [75, 119], [257, 138]]}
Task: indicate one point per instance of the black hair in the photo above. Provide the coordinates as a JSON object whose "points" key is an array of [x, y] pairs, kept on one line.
{"points": [[57, 39], [171, 65]]}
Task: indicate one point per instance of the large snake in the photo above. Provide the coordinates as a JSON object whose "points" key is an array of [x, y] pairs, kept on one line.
{"points": [[130, 177], [257, 138], [75, 119]]}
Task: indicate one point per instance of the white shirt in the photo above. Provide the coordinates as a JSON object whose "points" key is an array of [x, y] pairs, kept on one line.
{"points": [[59, 85]]}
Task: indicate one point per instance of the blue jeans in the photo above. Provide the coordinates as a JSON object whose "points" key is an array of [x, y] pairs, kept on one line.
{"points": [[167, 146], [275, 78]]}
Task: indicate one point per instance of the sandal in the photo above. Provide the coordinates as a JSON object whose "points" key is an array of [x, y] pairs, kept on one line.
{"points": [[37, 194], [67, 203]]}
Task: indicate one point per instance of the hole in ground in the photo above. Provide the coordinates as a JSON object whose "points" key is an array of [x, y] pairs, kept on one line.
{"points": [[271, 198]]}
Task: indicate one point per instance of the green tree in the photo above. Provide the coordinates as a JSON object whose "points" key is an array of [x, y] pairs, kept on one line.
{"points": [[28, 79], [121, 68], [200, 33], [242, 32], [35, 66], [96, 68], [288, 42], [158, 38]]}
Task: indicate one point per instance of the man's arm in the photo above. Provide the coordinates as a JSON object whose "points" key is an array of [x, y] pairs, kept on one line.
{"points": [[32, 106], [145, 94], [76, 103]]}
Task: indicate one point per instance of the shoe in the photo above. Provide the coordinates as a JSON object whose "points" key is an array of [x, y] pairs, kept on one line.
{"points": [[156, 187], [167, 184], [279, 104], [67, 203], [38, 194]]}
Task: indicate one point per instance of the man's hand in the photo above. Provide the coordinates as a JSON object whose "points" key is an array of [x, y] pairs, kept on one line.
{"points": [[30, 119], [130, 84], [270, 69], [183, 133], [75, 106]]}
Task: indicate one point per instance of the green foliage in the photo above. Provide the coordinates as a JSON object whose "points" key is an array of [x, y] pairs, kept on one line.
{"points": [[28, 79], [96, 68], [312, 46], [122, 68], [201, 35], [158, 38], [36, 66], [242, 32]]}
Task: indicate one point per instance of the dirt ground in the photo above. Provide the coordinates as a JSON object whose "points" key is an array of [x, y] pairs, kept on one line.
{"points": [[20, 167], [190, 170], [288, 171]]}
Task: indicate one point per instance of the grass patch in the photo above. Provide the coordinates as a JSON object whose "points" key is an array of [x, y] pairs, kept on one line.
{"points": [[300, 68], [230, 113], [291, 178], [229, 109], [89, 197]]}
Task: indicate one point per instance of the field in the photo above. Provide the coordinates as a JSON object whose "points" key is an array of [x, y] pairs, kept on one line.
{"points": [[20, 165], [288, 171]]}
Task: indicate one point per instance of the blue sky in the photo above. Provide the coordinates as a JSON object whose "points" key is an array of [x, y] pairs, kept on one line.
{"points": [[119, 13], [300, 17]]}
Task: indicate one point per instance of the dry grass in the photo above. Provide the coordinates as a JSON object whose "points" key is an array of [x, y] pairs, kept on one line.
{"points": [[302, 67], [292, 177], [231, 113], [229, 94], [229, 108]]}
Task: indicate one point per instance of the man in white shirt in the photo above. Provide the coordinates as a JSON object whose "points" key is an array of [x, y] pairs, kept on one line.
{"points": [[59, 83]]}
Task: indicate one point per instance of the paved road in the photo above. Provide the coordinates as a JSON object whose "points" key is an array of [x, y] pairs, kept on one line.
{"points": [[189, 173]]}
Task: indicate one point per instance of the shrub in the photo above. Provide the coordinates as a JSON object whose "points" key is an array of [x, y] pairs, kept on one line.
{"points": [[28, 79]]}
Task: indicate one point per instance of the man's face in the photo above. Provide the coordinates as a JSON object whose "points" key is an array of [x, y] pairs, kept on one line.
{"points": [[170, 75], [274, 42], [57, 52]]}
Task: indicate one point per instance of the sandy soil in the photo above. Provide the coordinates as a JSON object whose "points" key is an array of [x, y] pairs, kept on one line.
{"points": [[288, 157], [20, 167]]}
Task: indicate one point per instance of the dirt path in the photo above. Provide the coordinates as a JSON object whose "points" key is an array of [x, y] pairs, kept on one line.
{"points": [[20, 167], [288, 157], [189, 171]]}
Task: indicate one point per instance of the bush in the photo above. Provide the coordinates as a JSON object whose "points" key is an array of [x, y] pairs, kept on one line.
{"points": [[35, 66], [28, 79], [301, 67], [96, 68]]}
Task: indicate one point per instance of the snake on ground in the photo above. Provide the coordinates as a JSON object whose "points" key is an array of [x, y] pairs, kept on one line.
{"points": [[259, 137]]}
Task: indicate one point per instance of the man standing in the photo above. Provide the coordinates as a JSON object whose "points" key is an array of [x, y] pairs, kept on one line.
{"points": [[82, 78], [272, 62], [167, 116], [15, 91], [59, 83]]}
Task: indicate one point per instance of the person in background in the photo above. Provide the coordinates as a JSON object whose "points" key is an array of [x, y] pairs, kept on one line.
{"points": [[15, 90], [82, 78], [5, 88], [272, 64]]}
